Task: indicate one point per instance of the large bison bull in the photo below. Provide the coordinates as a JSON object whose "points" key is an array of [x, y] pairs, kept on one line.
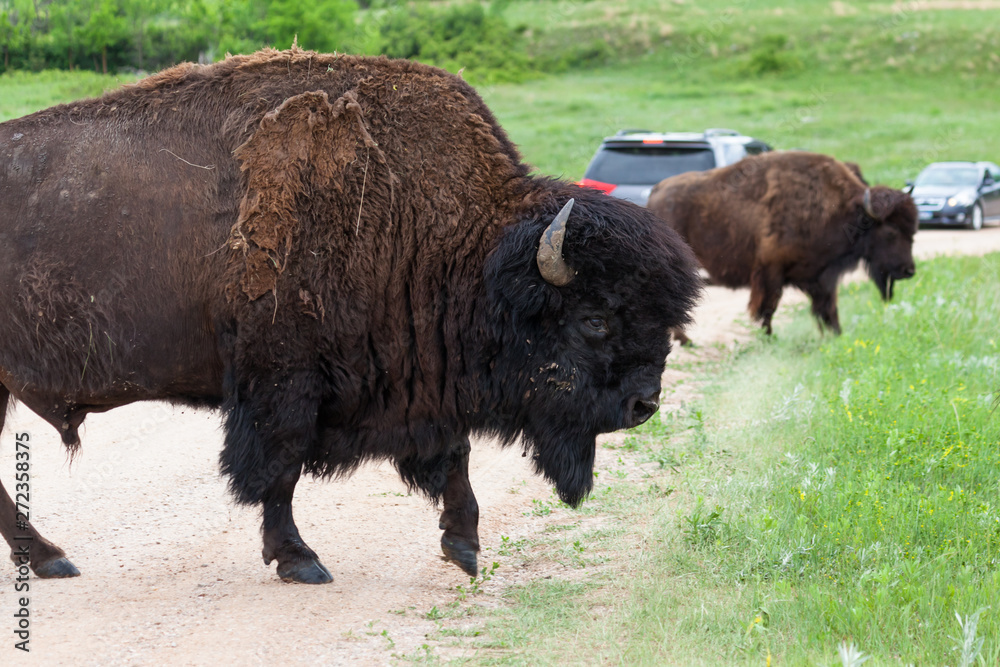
{"points": [[792, 218], [344, 255]]}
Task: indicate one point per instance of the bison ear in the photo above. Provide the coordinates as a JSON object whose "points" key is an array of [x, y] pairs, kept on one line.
{"points": [[856, 170], [880, 202], [306, 149]]}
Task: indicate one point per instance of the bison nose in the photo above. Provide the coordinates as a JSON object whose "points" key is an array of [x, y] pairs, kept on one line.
{"points": [[641, 408], [909, 271]]}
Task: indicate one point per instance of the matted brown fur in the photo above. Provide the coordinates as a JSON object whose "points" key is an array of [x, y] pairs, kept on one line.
{"points": [[789, 218], [301, 148]]}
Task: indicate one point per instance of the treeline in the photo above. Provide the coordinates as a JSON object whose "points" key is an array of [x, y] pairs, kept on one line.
{"points": [[150, 34], [147, 35]]}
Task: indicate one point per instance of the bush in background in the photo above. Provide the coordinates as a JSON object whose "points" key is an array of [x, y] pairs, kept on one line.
{"points": [[455, 37]]}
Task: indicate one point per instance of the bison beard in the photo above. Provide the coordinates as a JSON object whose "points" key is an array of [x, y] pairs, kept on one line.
{"points": [[344, 256]]}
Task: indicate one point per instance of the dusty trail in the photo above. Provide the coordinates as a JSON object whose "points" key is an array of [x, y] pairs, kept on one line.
{"points": [[171, 568]]}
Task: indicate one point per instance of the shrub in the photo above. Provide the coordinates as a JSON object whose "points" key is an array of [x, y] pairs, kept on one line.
{"points": [[460, 36], [773, 55]]}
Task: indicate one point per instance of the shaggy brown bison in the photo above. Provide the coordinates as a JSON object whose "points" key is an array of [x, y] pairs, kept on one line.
{"points": [[792, 218], [344, 255]]}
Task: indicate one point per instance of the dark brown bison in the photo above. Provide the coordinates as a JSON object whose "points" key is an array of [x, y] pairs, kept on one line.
{"points": [[792, 218], [344, 255]]}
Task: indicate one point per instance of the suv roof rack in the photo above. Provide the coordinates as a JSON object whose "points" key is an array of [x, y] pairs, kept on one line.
{"points": [[621, 133]]}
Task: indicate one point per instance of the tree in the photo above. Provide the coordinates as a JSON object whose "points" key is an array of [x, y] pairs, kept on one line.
{"points": [[321, 25], [8, 30], [138, 14], [64, 20], [103, 27], [17, 20]]}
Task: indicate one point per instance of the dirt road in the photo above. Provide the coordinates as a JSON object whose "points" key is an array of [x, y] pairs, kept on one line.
{"points": [[171, 572]]}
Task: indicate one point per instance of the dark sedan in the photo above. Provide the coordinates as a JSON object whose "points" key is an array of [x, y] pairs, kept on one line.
{"points": [[957, 193]]}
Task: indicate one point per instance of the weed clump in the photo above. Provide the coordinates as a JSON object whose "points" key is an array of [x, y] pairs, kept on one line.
{"points": [[773, 55]]}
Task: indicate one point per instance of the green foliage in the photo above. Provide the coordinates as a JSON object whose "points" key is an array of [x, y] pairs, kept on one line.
{"points": [[773, 55], [103, 26], [463, 36], [702, 526], [320, 26], [247, 25], [16, 20], [151, 34]]}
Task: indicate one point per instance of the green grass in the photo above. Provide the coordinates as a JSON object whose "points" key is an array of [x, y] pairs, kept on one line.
{"points": [[22, 93], [867, 503], [824, 490]]}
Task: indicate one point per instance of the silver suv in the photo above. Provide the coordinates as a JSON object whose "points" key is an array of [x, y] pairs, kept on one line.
{"points": [[630, 163]]}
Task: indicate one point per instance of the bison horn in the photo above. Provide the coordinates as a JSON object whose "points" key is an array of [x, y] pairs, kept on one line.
{"points": [[867, 203], [550, 260]]}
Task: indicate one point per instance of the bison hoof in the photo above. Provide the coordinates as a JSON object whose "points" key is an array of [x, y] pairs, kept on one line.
{"points": [[309, 571], [461, 553], [59, 568]]}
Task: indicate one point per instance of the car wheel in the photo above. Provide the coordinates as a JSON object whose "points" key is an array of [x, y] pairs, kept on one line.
{"points": [[976, 218]]}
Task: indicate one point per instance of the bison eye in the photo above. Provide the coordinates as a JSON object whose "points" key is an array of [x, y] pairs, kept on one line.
{"points": [[596, 325]]}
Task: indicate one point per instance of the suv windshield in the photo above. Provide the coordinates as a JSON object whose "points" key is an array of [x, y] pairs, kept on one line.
{"points": [[948, 176], [643, 165]]}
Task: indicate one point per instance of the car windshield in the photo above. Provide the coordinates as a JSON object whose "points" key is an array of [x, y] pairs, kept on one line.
{"points": [[645, 165], [949, 176]]}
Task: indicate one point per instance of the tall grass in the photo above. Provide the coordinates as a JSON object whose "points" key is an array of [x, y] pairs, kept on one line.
{"points": [[863, 500]]}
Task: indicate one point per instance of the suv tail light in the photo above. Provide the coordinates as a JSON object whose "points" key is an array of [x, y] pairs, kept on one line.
{"points": [[606, 188]]}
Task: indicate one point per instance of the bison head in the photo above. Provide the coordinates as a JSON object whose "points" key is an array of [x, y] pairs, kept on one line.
{"points": [[891, 221], [581, 299]]}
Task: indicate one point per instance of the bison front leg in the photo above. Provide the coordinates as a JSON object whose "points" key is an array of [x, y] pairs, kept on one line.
{"points": [[27, 547], [680, 335], [766, 283], [296, 561], [268, 436], [824, 305], [460, 517]]}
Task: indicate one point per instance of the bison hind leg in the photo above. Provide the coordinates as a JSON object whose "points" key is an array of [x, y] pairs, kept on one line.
{"points": [[680, 335], [766, 283], [46, 560]]}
